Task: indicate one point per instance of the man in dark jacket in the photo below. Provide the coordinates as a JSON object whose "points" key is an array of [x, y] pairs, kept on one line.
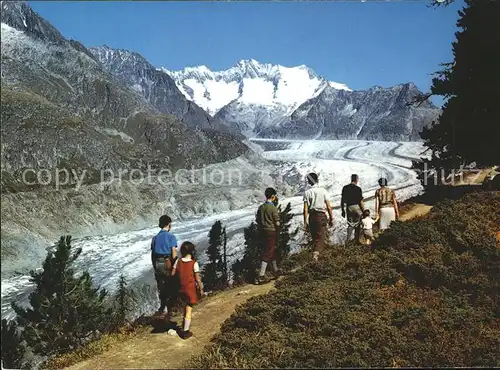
{"points": [[268, 222], [352, 199]]}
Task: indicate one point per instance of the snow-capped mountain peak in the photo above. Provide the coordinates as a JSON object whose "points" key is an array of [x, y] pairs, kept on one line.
{"points": [[250, 82]]}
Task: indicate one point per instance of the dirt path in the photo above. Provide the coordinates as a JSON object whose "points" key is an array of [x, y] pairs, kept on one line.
{"points": [[160, 351], [415, 210], [148, 350]]}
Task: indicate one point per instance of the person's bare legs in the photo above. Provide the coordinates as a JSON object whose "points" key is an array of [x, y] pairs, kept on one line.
{"points": [[185, 333], [187, 317]]}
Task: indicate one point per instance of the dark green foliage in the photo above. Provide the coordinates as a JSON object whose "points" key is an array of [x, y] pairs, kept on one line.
{"points": [[426, 295], [225, 266], [13, 348], [123, 304], [461, 252], [468, 127], [283, 244], [66, 310], [244, 270], [215, 271]]}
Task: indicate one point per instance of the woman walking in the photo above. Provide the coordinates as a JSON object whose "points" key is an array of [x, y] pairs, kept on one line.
{"points": [[386, 205]]}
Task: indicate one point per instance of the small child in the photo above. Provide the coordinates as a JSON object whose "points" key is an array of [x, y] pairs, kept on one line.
{"points": [[188, 272], [367, 225]]}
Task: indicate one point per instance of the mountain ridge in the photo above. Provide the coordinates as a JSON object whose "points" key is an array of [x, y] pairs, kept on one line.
{"points": [[37, 59], [157, 87], [229, 95]]}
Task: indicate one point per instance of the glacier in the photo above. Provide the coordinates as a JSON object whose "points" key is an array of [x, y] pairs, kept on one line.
{"points": [[108, 256]]}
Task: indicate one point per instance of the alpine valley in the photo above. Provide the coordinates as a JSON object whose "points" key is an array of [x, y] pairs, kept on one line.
{"points": [[87, 110]]}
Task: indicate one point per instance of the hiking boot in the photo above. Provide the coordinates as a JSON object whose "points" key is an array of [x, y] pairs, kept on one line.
{"points": [[185, 334], [262, 280]]}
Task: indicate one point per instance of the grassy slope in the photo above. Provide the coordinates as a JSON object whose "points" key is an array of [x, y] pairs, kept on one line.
{"points": [[359, 307], [427, 295]]}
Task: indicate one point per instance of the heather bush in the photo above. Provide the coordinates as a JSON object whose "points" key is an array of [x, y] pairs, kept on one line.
{"points": [[427, 294]]}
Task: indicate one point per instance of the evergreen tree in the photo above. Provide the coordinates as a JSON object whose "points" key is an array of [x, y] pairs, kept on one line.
{"points": [[66, 310], [468, 127], [237, 271], [283, 244], [244, 270], [13, 348], [225, 270], [213, 275], [123, 303]]}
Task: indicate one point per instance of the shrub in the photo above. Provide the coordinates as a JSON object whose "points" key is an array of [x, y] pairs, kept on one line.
{"points": [[244, 270], [66, 310], [214, 275], [426, 295], [13, 348]]}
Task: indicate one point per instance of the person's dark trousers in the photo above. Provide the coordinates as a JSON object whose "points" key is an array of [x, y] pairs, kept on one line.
{"points": [[318, 223], [354, 214], [268, 238], [163, 272]]}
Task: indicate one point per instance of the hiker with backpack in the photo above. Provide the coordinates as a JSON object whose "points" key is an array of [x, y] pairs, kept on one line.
{"points": [[268, 223], [191, 287], [163, 254], [386, 205], [352, 199], [316, 207]]}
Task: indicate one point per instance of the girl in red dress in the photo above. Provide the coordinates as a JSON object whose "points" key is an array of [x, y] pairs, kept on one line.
{"points": [[188, 272]]}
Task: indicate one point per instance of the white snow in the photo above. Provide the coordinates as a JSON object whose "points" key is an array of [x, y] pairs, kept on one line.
{"points": [[107, 256], [257, 91], [339, 86], [251, 82], [211, 94], [296, 86]]}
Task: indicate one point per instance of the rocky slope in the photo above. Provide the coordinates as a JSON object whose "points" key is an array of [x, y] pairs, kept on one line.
{"points": [[156, 86], [375, 114], [63, 110], [39, 61], [264, 100]]}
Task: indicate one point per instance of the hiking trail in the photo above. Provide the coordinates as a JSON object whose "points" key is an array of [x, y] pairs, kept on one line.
{"points": [[161, 350]]}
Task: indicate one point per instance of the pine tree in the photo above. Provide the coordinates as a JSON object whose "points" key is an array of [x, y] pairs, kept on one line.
{"points": [[66, 310], [123, 303], [283, 244], [13, 348], [244, 270], [214, 277], [468, 127], [225, 269]]}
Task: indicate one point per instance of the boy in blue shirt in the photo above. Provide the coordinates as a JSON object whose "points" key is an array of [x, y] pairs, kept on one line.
{"points": [[163, 254]]}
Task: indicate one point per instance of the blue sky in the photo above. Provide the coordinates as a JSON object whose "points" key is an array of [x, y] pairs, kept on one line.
{"points": [[358, 43]]}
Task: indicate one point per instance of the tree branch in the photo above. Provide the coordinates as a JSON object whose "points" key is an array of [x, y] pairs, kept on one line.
{"points": [[435, 3], [418, 100]]}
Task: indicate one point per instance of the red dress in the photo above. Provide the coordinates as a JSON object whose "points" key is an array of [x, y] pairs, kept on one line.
{"points": [[187, 281]]}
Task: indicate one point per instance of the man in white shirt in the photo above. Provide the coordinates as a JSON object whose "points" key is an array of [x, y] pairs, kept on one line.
{"points": [[316, 206]]}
